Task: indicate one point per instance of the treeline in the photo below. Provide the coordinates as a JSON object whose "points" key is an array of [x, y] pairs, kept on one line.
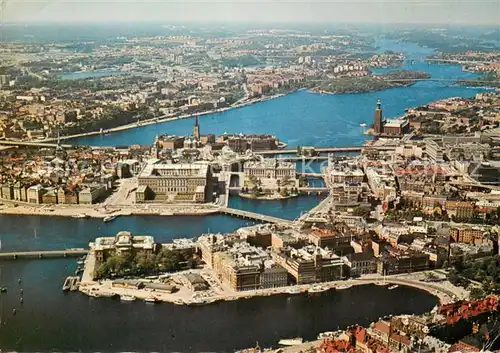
{"points": [[141, 264]]}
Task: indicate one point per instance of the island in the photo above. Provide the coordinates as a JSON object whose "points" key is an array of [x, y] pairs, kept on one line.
{"points": [[392, 79]]}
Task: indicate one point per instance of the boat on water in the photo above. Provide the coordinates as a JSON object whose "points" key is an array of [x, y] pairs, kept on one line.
{"points": [[109, 218], [291, 341], [127, 298], [393, 287], [293, 291], [151, 300], [81, 216], [327, 334], [78, 270], [3, 289], [317, 289], [67, 284], [344, 287]]}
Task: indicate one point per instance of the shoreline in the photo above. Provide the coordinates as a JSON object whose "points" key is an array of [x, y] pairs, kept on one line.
{"points": [[186, 297], [329, 93], [98, 211], [168, 118], [266, 198]]}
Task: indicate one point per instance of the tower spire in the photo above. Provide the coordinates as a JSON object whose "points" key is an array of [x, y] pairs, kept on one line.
{"points": [[377, 123], [196, 130]]}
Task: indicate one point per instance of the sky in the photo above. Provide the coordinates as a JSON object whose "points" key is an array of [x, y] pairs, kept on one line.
{"points": [[483, 12]]}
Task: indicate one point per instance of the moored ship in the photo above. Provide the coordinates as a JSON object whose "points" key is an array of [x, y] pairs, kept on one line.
{"points": [[127, 298], [291, 341]]}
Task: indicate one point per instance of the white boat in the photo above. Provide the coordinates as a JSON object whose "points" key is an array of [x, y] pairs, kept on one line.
{"points": [[344, 287], [80, 216], [393, 287], [293, 291], [151, 300], [317, 289], [109, 218], [127, 298], [291, 341], [328, 334]]}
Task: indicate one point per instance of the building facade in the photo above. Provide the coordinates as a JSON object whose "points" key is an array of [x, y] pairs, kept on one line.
{"points": [[270, 169], [176, 183]]}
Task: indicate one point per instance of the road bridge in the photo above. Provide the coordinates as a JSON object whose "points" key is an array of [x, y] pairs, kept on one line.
{"points": [[474, 185], [314, 189], [303, 158], [32, 144], [311, 175], [46, 144], [319, 150], [42, 254], [253, 216]]}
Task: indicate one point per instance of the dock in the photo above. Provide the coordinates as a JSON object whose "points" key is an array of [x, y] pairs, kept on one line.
{"points": [[44, 254]]}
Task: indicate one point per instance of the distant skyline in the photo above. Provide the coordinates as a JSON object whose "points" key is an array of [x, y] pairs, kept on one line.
{"points": [[368, 11]]}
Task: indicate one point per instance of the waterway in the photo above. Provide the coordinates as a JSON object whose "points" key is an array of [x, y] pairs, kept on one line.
{"points": [[48, 233], [51, 320], [287, 209], [304, 118]]}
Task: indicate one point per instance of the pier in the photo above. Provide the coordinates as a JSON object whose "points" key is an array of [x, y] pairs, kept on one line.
{"points": [[44, 254], [253, 216]]}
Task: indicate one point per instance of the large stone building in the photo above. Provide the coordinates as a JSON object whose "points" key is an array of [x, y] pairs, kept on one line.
{"points": [[394, 127], [402, 261], [468, 235], [270, 169], [240, 143], [177, 183], [91, 194], [121, 244], [330, 238], [240, 265], [311, 264]]}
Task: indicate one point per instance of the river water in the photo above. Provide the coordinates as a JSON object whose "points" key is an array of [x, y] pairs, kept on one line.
{"points": [[304, 118], [52, 320]]}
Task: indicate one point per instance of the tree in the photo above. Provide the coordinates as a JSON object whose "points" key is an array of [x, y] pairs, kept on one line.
{"points": [[476, 293], [361, 211]]}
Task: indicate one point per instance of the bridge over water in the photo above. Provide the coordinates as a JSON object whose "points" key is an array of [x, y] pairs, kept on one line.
{"points": [[43, 144], [41, 254], [319, 150], [252, 215]]}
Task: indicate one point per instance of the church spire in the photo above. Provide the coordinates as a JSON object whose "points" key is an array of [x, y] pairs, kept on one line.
{"points": [[196, 130]]}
